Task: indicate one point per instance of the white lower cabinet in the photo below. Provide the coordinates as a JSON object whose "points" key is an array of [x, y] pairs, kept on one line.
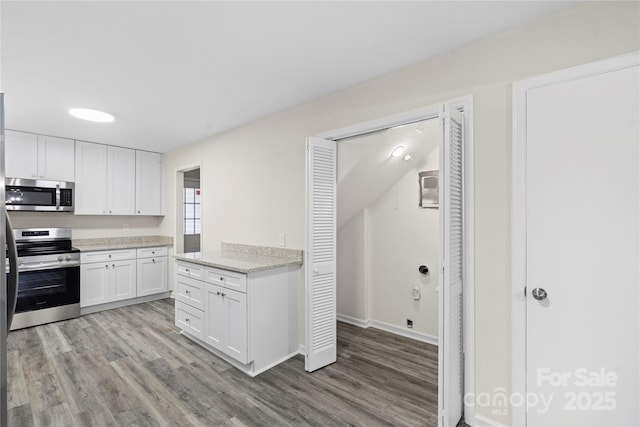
{"points": [[226, 325], [250, 319], [110, 276], [152, 271], [190, 319]]}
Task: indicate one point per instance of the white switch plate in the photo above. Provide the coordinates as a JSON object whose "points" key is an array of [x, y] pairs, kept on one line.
{"points": [[283, 239]]}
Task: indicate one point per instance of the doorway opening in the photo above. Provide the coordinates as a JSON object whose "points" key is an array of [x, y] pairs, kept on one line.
{"points": [[188, 210], [388, 246], [455, 267]]}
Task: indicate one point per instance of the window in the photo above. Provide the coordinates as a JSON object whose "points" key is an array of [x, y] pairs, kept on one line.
{"points": [[191, 211]]}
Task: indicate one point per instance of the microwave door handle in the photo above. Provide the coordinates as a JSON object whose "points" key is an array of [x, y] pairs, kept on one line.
{"points": [[12, 283], [57, 197]]}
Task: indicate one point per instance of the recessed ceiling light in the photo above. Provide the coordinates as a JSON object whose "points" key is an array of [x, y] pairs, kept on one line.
{"points": [[91, 115], [397, 152]]}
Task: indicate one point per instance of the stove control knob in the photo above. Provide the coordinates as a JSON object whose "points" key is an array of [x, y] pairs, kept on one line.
{"points": [[60, 258], [67, 257], [20, 261]]}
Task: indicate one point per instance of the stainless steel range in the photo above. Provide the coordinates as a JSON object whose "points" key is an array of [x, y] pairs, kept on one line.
{"points": [[48, 277]]}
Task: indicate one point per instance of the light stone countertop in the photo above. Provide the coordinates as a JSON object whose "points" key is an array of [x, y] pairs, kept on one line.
{"points": [[245, 258], [114, 243]]}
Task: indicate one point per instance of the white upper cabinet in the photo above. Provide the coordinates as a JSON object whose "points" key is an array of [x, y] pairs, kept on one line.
{"points": [[121, 177], [21, 151], [56, 158], [34, 156], [91, 179], [149, 183], [105, 182]]}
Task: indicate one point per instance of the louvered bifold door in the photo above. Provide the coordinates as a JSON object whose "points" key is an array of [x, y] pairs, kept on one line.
{"points": [[452, 223], [321, 253]]}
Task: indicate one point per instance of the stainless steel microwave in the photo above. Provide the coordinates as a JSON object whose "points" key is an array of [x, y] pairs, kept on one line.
{"points": [[38, 195]]}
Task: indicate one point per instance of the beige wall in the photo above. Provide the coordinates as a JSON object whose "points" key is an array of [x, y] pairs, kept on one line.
{"points": [[253, 179], [89, 226]]}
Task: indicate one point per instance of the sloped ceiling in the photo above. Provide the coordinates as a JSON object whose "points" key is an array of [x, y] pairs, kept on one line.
{"points": [[366, 169]]}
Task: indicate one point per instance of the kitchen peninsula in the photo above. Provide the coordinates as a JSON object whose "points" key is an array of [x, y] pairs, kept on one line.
{"points": [[240, 303]]}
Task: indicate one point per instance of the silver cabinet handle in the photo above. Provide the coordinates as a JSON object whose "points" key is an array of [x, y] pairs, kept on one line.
{"points": [[539, 294]]}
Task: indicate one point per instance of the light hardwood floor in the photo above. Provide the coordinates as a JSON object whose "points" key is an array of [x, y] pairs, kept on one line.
{"points": [[131, 367]]}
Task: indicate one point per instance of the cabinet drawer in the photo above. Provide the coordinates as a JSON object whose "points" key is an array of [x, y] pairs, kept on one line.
{"points": [[152, 252], [190, 320], [190, 270], [102, 256], [190, 291], [227, 279]]}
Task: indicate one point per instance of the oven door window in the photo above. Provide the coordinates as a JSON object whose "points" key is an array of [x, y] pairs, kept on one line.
{"points": [[30, 196], [48, 288]]}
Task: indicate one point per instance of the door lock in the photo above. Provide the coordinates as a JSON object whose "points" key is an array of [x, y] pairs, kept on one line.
{"points": [[539, 294]]}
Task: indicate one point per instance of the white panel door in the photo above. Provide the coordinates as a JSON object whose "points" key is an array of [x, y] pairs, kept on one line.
{"points": [[583, 251], [94, 284], [123, 280], [236, 325], [152, 276], [56, 158], [321, 254], [215, 316], [91, 179], [149, 183], [450, 368], [121, 181], [21, 150]]}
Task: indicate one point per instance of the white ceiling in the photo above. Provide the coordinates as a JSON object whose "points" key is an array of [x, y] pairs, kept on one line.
{"points": [[176, 72]]}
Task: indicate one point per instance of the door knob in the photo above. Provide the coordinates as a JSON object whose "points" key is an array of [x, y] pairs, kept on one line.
{"points": [[539, 294]]}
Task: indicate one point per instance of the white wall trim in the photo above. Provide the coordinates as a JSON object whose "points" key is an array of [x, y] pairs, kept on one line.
{"points": [[387, 327], [518, 213], [416, 115], [481, 421], [433, 111], [419, 336], [361, 323]]}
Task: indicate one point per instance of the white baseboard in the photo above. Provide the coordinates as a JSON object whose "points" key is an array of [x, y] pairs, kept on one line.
{"points": [[480, 421], [352, 321], [408, 333], [122, 303]]}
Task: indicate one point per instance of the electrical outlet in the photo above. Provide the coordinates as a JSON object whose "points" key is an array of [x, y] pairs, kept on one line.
{"points": [[410, 323], [283, 239], [125, 227]]}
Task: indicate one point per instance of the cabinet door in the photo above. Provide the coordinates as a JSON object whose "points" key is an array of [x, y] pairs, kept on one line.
{"points": [[94, 284], [190, 291], [21, 153], [190, 319], [149, 183], [56, 158], [215, 317], [235, 305], [122, 280], [152, 276], [91, 179], [121, 176]]}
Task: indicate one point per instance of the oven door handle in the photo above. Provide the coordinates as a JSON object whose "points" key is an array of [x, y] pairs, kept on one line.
{"points": [[12, 284], [47, 266]]}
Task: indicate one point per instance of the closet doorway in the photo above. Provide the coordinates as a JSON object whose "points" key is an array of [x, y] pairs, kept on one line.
{"points": [[388, 243], [456, 280]]}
